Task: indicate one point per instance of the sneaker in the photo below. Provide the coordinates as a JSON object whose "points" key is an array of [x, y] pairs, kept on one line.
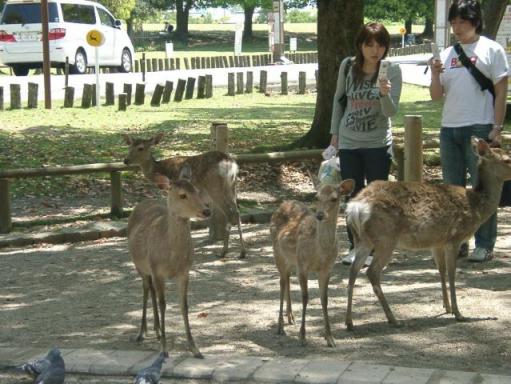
{"points": [[463, 251], [481, 254], [350, 257]]}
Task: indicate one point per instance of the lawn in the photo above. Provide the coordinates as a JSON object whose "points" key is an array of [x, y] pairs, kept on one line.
{"points": [[39, 137]]}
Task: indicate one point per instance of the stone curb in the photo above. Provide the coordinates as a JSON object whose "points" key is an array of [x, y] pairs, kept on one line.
{"points": [[100, 229], [235, 368]]}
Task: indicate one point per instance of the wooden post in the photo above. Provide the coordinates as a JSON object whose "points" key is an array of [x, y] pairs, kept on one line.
{"points": [[263, 79], [123, 101], [93, 97], [66, 72], [283, 83], [230, 84], [413, 148], [15, 96], [69, 97], [158, 92], [142, 66], [190, 87], [250, 82], [219, 226], [187, 65], [160, 65], [302, 82], [115, 184], [1, 98], [5, 207], [239, 83], [209, 86], [180, 90], [167, 92], [33, 89], [137, 66], [140, 94], [87, 96], [127, 89], [201, 87], [399, 160], [109, 93]]}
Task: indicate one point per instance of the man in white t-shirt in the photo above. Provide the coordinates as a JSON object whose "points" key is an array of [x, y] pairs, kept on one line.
{"points": [[468, 110]]}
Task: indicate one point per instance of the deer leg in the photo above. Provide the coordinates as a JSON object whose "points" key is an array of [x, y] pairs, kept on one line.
{"points": [[143, 325], [243, 252], [381, 257], [439, 257], [283, 283], [182, 287], [451, 257], [156, 317], [323, 280], [361, 252], [302, 277], [289, 310], [159, 286]]}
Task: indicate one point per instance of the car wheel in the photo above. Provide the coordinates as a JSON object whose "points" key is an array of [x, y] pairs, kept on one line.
{"points": [[126, 63], [20, 70], [80, 65]]}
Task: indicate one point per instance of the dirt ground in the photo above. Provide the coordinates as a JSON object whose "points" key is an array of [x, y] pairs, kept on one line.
{"points": [[88, 295]]}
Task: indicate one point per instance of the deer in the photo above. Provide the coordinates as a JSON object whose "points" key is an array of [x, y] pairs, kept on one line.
{"points": [[418, 215], [160, 245], [307, 242], [213, 173]]}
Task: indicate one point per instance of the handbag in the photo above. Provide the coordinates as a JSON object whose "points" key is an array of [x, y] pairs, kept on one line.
{"points": [[343, 100], [486, 84]]}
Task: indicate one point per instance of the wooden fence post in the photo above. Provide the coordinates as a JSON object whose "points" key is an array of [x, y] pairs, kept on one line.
{"points": [[250, 82], [230, 84], [33, 89], [201, 87], [209, 86], [218, 223], [190, 87], [5, 207], [93, 97], [69, 97], [1, 98], [157, 93], [127, 89], [302, 82], [123, 101], [263, 80], [283, 83], [140, 94], [167, 92], [109, 93], [413, 148], [116, 204], [15, 96], [86, 96], [180, 90], [239, 83]]}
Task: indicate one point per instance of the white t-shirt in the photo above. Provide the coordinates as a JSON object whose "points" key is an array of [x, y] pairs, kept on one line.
{"points": [[465, 104]]}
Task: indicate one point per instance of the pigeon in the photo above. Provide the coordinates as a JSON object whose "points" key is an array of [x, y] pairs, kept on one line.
{"points": [[35, 367], [152, 374], [55, 373]]}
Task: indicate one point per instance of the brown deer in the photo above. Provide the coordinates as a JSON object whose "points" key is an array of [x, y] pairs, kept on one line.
{"points": [[414, 215], [213, 173], [307, 242], [160, 245]]}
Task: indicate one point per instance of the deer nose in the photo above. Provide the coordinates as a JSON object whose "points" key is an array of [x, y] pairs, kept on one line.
{"points": [[320, 215], [206, 212]]}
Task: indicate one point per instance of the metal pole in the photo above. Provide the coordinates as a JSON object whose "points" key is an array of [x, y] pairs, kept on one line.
{"points": [[46, 54]]}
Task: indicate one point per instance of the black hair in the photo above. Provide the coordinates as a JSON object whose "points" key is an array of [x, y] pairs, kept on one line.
{"points": [[469, 10], [369, 32]]}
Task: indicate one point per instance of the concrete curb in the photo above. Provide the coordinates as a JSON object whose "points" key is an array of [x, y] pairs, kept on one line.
{"points": [[235, 368]]}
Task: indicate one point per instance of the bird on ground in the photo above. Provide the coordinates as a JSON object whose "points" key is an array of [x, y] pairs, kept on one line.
{"points": [[35, 367], [55, 372], [151, 374]]}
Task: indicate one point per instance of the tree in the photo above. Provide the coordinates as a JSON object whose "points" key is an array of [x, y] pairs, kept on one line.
{"points": [[120, 8], [338, 23], [493, 11]]}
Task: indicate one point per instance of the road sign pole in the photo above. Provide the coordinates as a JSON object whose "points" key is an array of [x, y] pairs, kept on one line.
{"points": [[96, 70]]}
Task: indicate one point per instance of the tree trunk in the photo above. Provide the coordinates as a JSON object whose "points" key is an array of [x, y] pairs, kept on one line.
{"points": [[129, 28], [182, 13], [338, 23], [248, 10], [493, 10], [428, 28], [408, 26]]}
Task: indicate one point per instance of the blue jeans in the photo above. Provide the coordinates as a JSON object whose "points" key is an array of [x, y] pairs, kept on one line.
{"points": [[364, 164], [457, 158]]}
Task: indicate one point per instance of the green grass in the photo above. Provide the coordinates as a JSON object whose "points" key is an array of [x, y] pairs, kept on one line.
{"points": [[39, 137]]}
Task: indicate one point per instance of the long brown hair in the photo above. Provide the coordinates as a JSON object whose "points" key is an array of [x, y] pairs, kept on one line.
{"points": [[369, 32]]}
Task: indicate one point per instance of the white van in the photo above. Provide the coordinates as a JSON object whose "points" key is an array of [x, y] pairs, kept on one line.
{"points": [[69, 21]]}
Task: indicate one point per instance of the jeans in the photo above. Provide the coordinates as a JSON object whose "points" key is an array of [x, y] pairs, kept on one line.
{"points": [[364, 164], [457, 157]]}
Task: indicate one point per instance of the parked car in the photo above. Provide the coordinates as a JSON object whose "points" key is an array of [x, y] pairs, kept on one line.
{"points": [[69, 21]]}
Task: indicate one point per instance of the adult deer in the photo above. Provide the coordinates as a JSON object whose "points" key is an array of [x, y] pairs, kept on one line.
{"points": [[213, 173], [307, 242], [160, 245], [414, 215]]}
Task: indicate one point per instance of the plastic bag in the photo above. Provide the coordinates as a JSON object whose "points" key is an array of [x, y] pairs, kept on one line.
{"points": [[330, 171]]}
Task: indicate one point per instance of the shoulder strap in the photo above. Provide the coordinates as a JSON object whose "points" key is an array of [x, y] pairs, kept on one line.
{"points": [[482, 80], [346, 71]]}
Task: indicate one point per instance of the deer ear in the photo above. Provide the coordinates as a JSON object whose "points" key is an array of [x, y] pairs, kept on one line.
{"points": [[186, 173], [161, 181], [156, 139], [480, 146], [314, 179], [127, 139], [347, 186]]}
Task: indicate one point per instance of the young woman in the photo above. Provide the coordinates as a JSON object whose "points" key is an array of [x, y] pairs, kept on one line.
{"points": [[468, 110], [361, 129]]}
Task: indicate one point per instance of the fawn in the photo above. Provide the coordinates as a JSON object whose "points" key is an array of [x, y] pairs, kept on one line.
{"points": [[307, 242], [414, 215], [213, 173], [160, 245]]}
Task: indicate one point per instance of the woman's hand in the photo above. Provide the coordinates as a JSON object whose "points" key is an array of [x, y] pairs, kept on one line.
{"points": [[384, 87]]}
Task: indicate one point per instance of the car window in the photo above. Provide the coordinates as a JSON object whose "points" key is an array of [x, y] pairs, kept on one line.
{"points": [[105, 17], [28, 13], [78, 13]]}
